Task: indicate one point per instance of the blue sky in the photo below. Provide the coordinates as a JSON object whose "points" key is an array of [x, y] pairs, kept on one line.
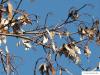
{"points": [[59, 8]]}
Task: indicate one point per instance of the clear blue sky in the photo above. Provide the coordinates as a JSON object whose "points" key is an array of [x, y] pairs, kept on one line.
{"points": [[59, 9]]}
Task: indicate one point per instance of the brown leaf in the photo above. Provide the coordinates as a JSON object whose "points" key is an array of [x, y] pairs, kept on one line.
{"points": [[24, 19]]}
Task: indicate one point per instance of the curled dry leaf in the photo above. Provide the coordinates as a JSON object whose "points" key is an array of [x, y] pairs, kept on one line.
{"points": [[73, 14], [73, 48], [70, 52]]}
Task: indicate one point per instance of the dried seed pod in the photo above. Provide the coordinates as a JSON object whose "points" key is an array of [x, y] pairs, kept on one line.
{"points": [[73, 14], [43, 68]]}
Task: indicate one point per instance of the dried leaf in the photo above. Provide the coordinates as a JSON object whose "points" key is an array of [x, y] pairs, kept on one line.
{"points": [[24, 19], [73, 14], [10, 13], [71, 53]]}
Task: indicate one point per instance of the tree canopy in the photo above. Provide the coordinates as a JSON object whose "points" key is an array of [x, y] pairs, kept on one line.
{"points": [[69, 39]]}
